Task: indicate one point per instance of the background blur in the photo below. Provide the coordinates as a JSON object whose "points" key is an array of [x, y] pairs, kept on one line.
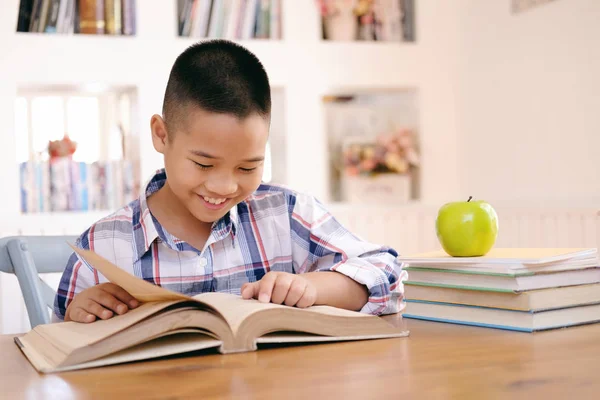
{"points": [[383, 109]]}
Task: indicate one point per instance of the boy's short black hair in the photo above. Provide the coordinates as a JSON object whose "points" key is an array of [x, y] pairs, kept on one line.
{"points": [[218, 76]]}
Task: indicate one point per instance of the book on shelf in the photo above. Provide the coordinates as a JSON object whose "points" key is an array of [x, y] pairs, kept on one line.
{"points": [[230, 19], [515, 289], [168, 323], [66, 185], [111, 17]]}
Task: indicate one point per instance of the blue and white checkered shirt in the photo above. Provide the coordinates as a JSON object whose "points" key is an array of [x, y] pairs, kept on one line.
{"points": [[275, 229]]}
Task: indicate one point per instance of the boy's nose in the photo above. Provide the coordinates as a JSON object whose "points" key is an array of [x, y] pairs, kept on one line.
{"points": [[222, 187]]}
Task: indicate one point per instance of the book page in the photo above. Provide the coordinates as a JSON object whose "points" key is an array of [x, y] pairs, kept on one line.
{"points": [[138, 288], [68, 336], [526, 256], [235, 309]]}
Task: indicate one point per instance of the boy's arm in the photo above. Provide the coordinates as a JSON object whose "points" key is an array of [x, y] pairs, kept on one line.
{"points": [[371, 276]]}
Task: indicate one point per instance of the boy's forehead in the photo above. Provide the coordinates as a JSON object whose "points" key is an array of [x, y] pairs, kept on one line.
{"points": [[212, 132], [194, 117]]}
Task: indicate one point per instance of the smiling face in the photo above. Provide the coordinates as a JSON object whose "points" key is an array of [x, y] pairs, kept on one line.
{"points": [[213, 161]]}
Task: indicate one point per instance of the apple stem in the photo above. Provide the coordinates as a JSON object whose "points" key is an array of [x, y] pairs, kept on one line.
{"points": [[470, 197]]}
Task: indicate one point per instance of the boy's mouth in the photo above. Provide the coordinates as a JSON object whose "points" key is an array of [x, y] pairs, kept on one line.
{"points": [[213, 203]]}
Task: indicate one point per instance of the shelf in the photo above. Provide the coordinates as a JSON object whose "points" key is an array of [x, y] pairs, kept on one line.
{"points": [[340, 63], [87, 58], [301, 65], [60, 223]]}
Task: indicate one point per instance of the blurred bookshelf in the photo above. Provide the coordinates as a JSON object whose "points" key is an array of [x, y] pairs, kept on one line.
{"points": [[367, 21], [92, 17], [229, 19], [302, 68]]}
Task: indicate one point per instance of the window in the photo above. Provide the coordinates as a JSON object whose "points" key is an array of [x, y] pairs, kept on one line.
{"points": [[22, 129], [43, 118], [83, 121]]}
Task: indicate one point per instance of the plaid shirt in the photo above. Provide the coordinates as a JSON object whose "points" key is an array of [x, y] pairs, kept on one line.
{"points": [[275, 229]]}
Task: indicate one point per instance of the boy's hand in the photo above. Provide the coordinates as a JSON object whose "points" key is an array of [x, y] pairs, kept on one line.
{"points": [[101, 301], [282, 288]]}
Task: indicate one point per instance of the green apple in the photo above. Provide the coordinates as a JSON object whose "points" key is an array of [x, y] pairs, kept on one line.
{"points": [[467, 228]]}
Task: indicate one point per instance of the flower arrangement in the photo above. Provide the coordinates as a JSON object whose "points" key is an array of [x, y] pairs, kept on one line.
{"points": [[61, 148], [391, 153]]}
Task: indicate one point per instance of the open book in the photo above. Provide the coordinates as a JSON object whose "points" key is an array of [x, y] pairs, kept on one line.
{"points": [[169, 323]]}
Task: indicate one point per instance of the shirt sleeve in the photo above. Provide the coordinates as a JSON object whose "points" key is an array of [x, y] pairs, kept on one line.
{"points": [[321, 243], [77, 276]]}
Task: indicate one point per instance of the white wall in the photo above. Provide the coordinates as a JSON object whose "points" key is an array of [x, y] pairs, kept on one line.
{"points": [[529, 101]]}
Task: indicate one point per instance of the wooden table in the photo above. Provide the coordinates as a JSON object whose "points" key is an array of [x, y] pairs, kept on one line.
{"points": [[437, 361]]}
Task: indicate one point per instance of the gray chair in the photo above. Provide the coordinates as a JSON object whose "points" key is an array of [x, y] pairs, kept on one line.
{"points": [[29, 256]]}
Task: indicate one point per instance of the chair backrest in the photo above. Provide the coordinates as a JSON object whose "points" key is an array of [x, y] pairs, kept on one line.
{"points": [[29, 256]]}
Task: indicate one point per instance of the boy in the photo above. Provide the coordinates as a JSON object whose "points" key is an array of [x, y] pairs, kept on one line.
{"points": [[206, 223]]}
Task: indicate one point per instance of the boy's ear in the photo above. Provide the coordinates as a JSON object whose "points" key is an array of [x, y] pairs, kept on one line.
{"points": [[160, 136]]}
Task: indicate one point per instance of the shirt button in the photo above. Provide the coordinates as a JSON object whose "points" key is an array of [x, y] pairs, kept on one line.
{"points": [[202, 262]]}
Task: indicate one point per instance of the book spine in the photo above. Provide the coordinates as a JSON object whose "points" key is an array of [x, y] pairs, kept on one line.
{"points": [[128, 25], [109, 17], [62, 16], [23, 186], [25, 11], [206, 13], [69, 26], [52, 22], [249, 22], [275, 24], [45, 191], [83, 187], [35, 15], [39, 184], [91, 17], [43, 15]]}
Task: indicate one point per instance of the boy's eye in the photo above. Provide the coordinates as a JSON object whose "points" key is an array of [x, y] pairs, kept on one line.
{"points": [[202, 166], [247, 169]]}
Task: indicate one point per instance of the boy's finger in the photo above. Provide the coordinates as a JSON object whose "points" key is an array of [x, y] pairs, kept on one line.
{"points": [[109, 301], [309, 297], [265, 289], [296, 291], [121, 294], [78, 314], [96, 309], [281, 288], [249, 290]]}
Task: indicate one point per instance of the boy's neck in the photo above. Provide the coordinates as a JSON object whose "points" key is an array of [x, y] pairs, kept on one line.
{"points": [[176, 219]]}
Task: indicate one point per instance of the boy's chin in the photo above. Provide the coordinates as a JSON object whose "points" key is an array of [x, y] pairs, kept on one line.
{"points": [[209, 216]]}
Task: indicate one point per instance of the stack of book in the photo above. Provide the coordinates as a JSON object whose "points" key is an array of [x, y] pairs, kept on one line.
{"points": [[515, 289]]}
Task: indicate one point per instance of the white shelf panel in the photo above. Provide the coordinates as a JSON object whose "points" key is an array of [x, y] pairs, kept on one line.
{"points": [[72, 59], [115, 60], [59, 223]]}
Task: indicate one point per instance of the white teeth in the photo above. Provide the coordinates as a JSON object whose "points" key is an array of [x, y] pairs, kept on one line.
{"points": [[213, 201]]}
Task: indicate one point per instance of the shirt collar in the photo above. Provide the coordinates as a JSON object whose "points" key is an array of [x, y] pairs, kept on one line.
{"points": [[147, 229]]}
